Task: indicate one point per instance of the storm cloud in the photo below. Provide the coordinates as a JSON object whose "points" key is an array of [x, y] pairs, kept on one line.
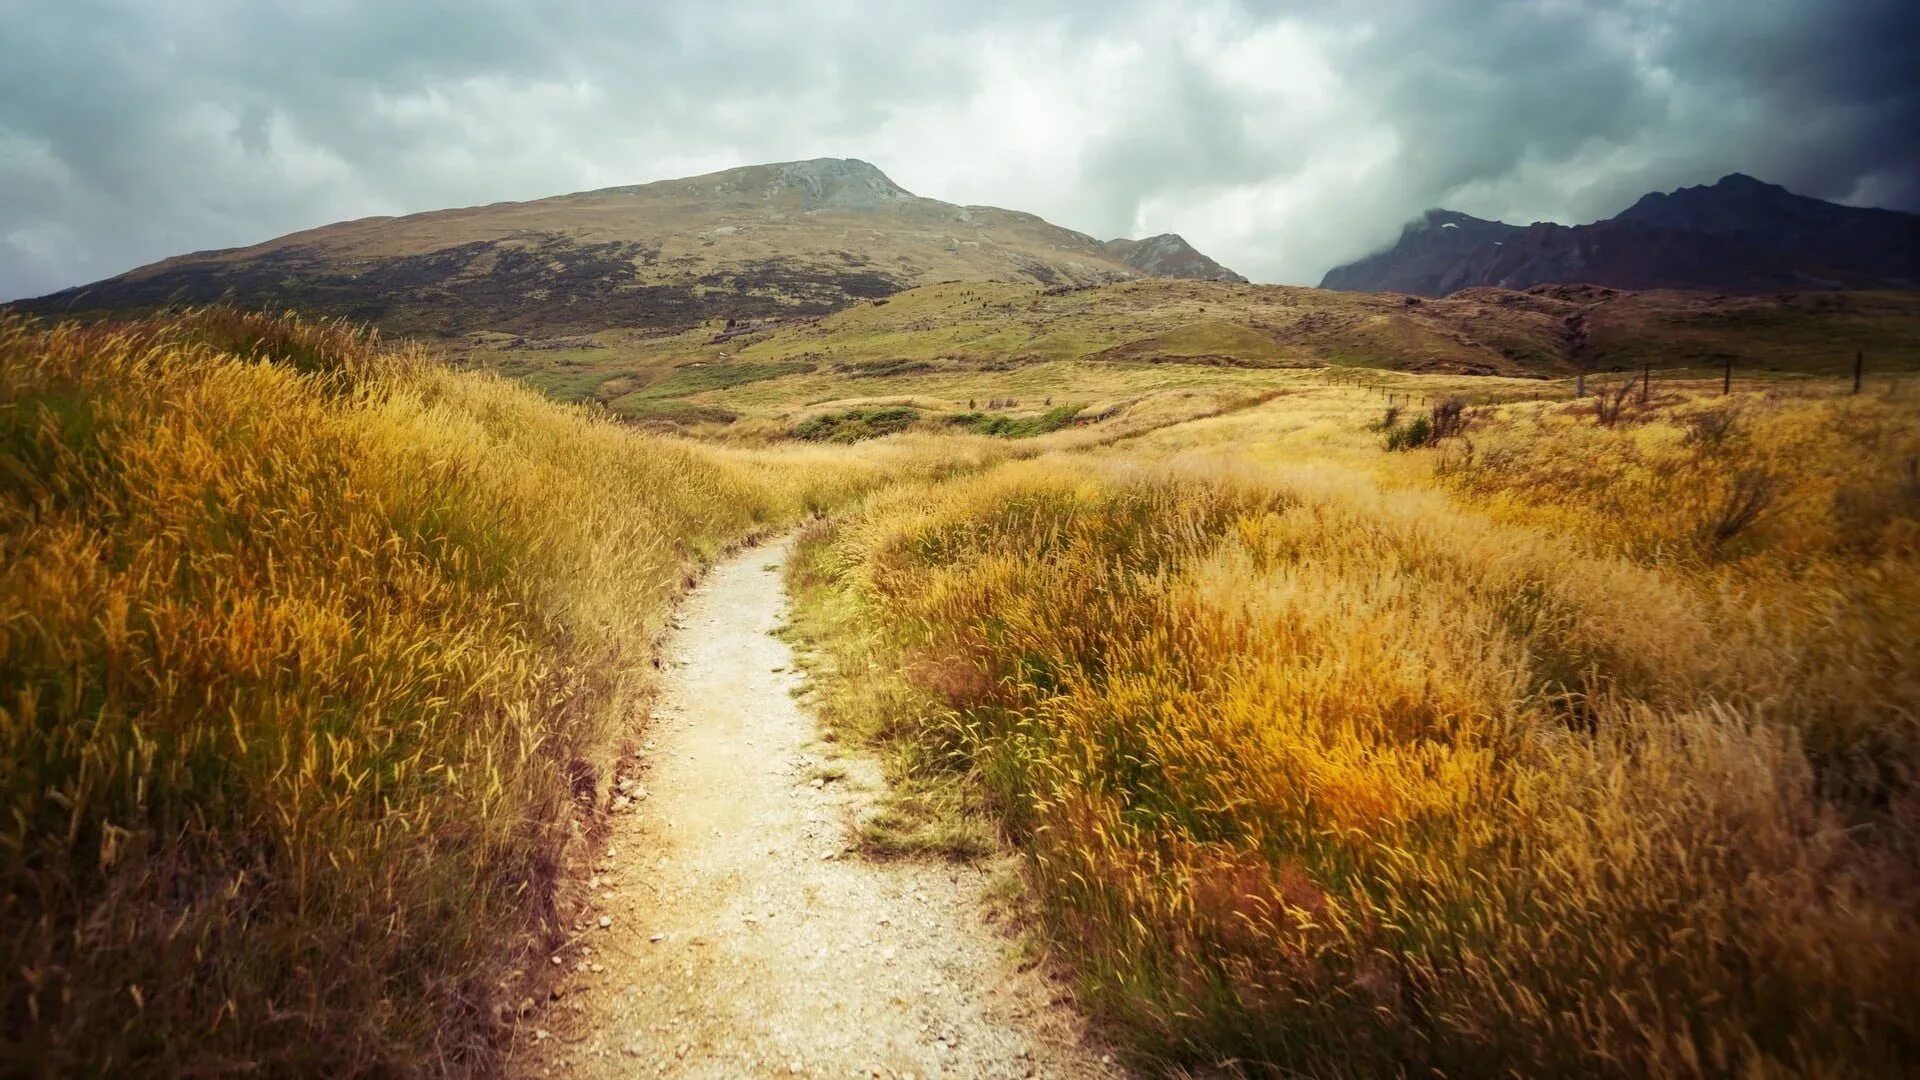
{"points": [[1279, 138]]}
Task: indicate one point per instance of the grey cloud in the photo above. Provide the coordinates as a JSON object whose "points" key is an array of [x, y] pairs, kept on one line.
{"points": [[134, 130]]}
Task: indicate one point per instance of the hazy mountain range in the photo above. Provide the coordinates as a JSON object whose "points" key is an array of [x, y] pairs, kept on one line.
{"points": [[785, 244], [1739, 235]]}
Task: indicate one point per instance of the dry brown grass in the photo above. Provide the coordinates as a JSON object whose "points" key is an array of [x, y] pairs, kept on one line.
{"points": [[307, 648], [1343, 762]]}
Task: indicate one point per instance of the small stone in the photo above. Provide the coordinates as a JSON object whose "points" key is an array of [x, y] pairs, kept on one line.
{"points": [[606, 921], [633, 1050], [657, 938]]}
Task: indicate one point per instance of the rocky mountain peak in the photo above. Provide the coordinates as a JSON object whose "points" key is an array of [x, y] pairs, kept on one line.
{"points": [[838, 183], [1169, 255]]}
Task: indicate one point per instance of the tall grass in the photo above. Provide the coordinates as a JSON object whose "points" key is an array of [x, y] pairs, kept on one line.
{"points": [[1346, 767], [307, 650]]}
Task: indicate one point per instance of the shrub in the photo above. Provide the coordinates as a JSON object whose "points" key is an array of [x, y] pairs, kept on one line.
{"points": [[1746, 501], [1711, 429], [854, 425], [1011, 427], [1446, 419], [1608, 408]]}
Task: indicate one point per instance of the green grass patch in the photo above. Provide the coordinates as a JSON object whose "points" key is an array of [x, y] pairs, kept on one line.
{"points": [[855, 425], [676, 413], [701, 378], [1018, 427], [567, 383]]}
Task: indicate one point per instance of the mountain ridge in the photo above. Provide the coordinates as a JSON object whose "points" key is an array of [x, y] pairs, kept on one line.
{"points": [[1739, 235], [784, 239]]}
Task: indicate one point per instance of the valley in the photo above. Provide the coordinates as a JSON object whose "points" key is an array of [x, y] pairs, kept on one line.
{"points": [[773, 623], [945, 351]]}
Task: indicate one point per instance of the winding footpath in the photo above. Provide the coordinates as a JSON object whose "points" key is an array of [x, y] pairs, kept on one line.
{"points": [[737, 933]]}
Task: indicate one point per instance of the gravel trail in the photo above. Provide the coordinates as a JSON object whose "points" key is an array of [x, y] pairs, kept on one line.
{"points": [[738, 934]]}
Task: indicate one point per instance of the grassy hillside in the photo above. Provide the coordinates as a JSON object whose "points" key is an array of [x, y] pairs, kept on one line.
{"points": [[942, 346], [1559, 746], [1570, 736], [790, 239], [310, 653]]}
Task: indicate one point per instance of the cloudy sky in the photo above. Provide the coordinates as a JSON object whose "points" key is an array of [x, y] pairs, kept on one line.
{"points": [[1279, 138]]}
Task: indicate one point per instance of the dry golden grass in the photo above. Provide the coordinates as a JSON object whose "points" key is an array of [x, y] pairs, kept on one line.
{"points": [[307, 650], [1502, 756], [1556, 746]]}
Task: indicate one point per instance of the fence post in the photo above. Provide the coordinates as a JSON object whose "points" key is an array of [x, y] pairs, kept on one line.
{"points": [[1646, 383], [1579, 385], [1859, 368], [1726, 381]]}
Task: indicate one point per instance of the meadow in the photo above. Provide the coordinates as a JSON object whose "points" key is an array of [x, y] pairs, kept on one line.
{"points": [[313, 655], [1347, 721], [1567, 743]]}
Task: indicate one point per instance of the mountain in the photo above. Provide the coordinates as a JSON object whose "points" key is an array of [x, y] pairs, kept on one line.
{"points": [[797, 238], [1739, 235], [1170, 256]]}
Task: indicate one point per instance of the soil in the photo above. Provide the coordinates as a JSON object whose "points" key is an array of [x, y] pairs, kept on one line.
{"points": [[736, 931]]}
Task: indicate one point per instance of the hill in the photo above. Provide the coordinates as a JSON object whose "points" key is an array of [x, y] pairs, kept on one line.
{"points": [[960, 341], [1170, 256], [796, 238], [1736, 236]]}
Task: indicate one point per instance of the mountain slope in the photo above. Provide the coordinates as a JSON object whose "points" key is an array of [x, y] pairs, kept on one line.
{"points": [[981, 342], [798, 238], [1170, 256], [1736, 236]]}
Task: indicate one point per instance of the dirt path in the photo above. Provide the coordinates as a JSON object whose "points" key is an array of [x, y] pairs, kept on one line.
{"points": [[742, 937]]}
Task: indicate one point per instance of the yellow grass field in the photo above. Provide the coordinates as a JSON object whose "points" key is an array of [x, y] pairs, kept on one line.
{"points": [[1339, 733], [1555, 747], [308, 648]]}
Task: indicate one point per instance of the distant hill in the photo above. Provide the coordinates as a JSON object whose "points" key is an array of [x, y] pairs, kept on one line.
{"points": [[1170, 256], [764, 241], [1736, 236], [1162, 333]]}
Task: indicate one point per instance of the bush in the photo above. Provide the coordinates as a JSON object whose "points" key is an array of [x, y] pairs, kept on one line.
{"points": [[1447, 419], [855, 425], [1020, 427]]}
